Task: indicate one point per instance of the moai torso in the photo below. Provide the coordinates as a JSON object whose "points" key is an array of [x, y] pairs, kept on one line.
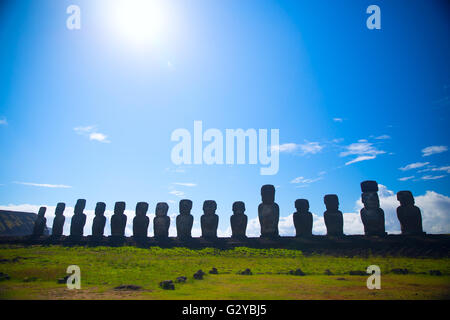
{"points": [[372, 215], [303, 219], [40, 223], [238, 221], [334, 220], [185, 220], [408, 214], [78, 220], [268, 212], [98, 225], [209, 220], [118, 220], [141, 221], [161, 222], [58, 221]]}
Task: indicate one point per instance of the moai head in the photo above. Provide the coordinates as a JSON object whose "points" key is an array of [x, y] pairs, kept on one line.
{"points": [[406, 198], [41, 212], [302, 205], [119, 207], [185, 207], [79, 206], [268, 194], [331, 202], [209, 207], [100, 208], [60, 207], [238, 207], [141, 208], [161, 209], [369, 194]]}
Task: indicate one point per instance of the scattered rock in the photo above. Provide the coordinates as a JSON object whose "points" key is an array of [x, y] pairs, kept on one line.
{"points": [[167, 285], [181, 279], [246, 272], [63, 280], [199, 275], [297, 272], [4, 276], [213, 271], [328, 272], [435, 273], [128, 287], [400, 271], [341, 279], [357, 273], [30, 279]]}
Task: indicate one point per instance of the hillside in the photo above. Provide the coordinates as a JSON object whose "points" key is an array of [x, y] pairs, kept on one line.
{"points": [[14, 223]]}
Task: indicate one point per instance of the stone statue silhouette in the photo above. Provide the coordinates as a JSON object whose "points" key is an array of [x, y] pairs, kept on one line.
{"points": [[238, 221], [334, 220], [185, 220], [372, 215], [40, 223], [209, 220], [268, 212], [58, 221], [408, 214], [161, 222], [78, 219], [118, 220], [303, 219], [98, 225], [141, 221]]}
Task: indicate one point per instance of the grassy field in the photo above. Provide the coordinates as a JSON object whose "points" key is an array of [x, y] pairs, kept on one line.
{"points": [[104, 268]]}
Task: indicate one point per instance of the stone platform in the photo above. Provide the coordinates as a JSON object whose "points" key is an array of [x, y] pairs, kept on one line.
{"points": [[355, 245]]}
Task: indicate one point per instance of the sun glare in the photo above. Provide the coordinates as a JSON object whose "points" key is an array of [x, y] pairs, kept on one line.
{"points": [[141, 22]]}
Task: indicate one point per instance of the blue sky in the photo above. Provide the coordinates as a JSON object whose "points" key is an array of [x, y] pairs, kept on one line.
{"points": [[89, 113]]}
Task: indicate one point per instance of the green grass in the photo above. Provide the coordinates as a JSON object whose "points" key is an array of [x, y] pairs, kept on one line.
{"points": [[103, 268]]}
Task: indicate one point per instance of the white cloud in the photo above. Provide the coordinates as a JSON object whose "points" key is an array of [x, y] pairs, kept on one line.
{"points": [[286, 147], [406, 178], [445, 168], [43, 185], [338, 119], [311, 147], [383, 137], [92, 133], [428, 177], [3, 122], [363, 149], [414, 166], [304, 180], [428, 151], [359, 159], [100, 137], [185, 184], [177, 193]]}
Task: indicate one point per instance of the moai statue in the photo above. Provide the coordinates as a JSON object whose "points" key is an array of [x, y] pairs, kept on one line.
{"points": [[408, 214], [118, 220], [40, 223], [303, 219], [268, 212], [78, 219], [161, 222], [334, 220], [209, 220], [98, 225], [58, 221], [372, 215], [238, 221], [141, 221], [185, 220]]}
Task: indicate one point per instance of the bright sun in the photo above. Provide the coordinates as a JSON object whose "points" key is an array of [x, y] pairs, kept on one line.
{"points": [[142, 22]]}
